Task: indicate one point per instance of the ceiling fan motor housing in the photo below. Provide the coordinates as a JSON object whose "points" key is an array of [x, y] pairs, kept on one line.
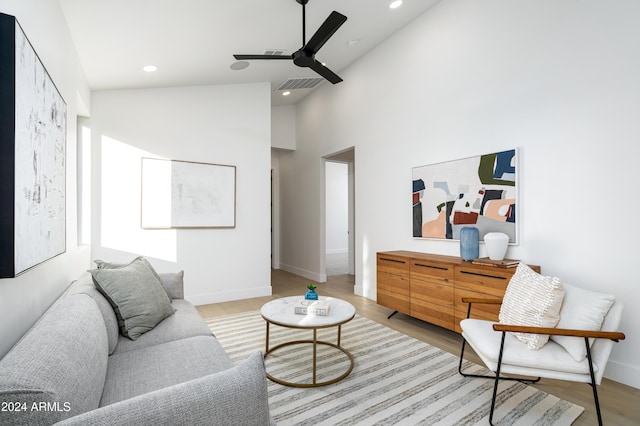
{"points": [[303, 59]]}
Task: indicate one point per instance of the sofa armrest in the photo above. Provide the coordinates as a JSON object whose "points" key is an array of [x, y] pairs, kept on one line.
{"points": [[173, 282], [237, 396]]}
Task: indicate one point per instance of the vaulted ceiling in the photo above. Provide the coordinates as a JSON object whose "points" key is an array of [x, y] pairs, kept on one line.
{"points": [[192, 42]]}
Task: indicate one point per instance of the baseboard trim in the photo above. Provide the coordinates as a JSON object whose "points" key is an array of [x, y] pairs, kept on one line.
{"points": [[623, 373], [321, 278]]}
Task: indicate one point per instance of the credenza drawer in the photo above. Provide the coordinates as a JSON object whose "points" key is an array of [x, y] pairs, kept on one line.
{"points": [[428, 270]]}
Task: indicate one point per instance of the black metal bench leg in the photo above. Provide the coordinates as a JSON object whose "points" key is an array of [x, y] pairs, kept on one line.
{"points": [[593, 381], [495, 386]]}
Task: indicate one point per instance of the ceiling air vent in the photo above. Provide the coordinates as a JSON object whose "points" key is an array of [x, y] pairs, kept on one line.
{"points": [[300, 83], [281, 52]]}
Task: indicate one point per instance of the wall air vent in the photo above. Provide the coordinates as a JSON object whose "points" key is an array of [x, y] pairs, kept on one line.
{"points": [[300, 83]]}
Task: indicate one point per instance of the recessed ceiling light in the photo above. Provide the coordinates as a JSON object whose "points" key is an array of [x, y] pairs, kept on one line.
{"points": [[395, 4], [239, 65], [150, 68], [287, 93]]}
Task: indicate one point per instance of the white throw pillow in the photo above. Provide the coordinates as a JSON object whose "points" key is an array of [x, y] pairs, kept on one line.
{"points": [[532, 300], [581, 310]]}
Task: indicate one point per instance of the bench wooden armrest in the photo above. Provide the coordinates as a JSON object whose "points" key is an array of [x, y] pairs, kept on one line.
{"points": [[612, 335]]}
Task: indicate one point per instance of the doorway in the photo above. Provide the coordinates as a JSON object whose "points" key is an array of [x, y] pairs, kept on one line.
{"points": [[339, 171]]}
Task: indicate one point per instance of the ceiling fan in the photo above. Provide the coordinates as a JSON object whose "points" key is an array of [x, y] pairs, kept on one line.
{"points": [[305, 56]]}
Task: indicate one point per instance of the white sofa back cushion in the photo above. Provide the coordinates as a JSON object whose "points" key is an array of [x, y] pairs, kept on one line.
{"points": [[581, 310]]}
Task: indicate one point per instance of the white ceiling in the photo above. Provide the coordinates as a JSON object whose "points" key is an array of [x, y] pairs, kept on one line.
{"points": [[193, 41]]}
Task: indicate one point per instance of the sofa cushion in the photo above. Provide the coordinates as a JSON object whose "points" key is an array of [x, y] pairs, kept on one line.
{"points": [[581, 310], [233, 397], [185, 322], [481, 336], [84, 284], [136, 295], [133, 373], [533, 300], [61, 361]]}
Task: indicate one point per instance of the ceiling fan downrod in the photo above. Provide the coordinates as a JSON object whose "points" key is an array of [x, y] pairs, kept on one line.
{"points": [[304, 20]]}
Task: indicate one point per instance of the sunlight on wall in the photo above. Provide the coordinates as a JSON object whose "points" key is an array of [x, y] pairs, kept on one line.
{"points": [[121, 202], [156, 198]]}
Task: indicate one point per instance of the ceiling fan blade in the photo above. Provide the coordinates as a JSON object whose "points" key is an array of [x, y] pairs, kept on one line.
{"points": [[324, 33], [325, 72], [249, 57]]}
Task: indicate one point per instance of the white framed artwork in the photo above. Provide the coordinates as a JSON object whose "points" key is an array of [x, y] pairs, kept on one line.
{"points": [[186, 194]]}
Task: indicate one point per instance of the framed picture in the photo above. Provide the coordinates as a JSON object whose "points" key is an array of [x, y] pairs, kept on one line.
{"points": [[480, 192], [33, 129], [184, 194]]}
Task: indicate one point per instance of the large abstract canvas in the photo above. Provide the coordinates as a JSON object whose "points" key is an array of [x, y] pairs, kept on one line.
{"points": [[183, 194], [33, 127], [478, 192]]}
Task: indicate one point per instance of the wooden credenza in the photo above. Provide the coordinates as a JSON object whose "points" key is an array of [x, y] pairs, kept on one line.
{"points": [[431, 287]]}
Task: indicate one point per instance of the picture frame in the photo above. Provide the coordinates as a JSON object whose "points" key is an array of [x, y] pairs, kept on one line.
{"points": [[479, 191], [187, 194], [33, 129]]}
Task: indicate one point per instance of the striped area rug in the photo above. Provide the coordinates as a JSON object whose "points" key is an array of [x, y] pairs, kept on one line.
{"points": [[397, 380]]}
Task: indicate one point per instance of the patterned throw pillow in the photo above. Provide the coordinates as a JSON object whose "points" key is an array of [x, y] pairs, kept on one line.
{"points": [[532, 300]]}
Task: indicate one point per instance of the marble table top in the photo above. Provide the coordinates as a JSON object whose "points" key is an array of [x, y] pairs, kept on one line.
{"points": [[281, 311]]}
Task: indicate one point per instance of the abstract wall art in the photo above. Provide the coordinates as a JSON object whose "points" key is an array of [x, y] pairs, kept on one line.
{"points": [[33, 127], [184, 194], [478, 192]]}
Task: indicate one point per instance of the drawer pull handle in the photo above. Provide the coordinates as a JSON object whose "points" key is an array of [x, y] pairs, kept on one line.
{"points": [[482, 275], [392, 260], [431, 266]]}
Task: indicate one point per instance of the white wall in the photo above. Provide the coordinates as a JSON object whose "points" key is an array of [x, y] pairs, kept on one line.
{"points": [[558, 80], [24, 299], [337, 207], [283, 127], [212, 124]]}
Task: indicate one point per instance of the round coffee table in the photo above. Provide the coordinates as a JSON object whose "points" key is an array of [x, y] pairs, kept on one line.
{"points": [[281, 312]]}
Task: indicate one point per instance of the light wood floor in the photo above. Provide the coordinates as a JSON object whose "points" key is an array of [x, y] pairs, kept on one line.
{"points": [[620, 404]]}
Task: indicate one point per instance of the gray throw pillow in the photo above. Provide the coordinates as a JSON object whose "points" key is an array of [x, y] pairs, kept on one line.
{"points": [[136, 294], [101, 264]]}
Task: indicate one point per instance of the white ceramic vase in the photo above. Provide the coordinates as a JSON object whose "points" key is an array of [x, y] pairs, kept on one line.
{"points": [[497, 244]]}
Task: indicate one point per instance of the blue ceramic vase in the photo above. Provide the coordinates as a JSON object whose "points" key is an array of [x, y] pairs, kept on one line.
{"points": [[311, 295], [469, 243]]}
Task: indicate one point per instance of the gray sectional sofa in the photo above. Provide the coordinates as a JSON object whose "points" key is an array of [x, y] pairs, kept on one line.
{"points": [[74, 367]]}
